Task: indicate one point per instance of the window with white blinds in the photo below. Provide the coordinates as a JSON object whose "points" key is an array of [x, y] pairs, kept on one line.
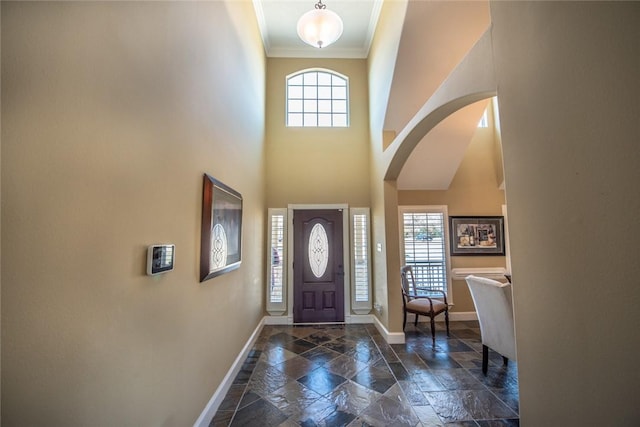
{"points": [[276, 283], [424, 245], [361, 260]]}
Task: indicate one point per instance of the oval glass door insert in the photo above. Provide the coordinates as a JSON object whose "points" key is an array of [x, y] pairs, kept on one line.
{"points": [[318, 250], [218, 247]]}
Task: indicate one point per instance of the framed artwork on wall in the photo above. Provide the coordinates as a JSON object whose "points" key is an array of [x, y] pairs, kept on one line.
{"points": [[476, 235], [221, 234]]}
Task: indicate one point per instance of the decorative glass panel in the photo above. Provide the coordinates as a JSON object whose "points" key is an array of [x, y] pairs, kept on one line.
{"points": [[318, 250], [218, 247]]}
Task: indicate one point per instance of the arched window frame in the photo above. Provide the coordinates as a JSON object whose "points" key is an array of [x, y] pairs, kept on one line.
{"points": [[317, 97]]}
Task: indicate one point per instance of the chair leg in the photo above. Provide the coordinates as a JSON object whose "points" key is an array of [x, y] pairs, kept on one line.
{"points": [[433, 331], [505, 361], [446, 321], [404, 320], [485, 359], [416, 321]]}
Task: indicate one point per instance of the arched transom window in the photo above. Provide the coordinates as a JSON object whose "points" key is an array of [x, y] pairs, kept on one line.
{"points": [[317, 98]]}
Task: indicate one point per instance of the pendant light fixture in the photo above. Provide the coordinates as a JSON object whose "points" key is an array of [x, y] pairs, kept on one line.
{"points": [[319, 27]]}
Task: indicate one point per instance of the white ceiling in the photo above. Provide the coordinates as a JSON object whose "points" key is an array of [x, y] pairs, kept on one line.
{"points": [[278, 20], [436, 35]]}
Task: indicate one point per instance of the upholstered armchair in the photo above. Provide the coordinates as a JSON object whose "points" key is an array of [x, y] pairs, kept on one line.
{"points": [[422, 301], [494, 307]]}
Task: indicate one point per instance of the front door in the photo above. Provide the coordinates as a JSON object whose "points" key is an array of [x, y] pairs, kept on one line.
{"points": [[318, 269]]}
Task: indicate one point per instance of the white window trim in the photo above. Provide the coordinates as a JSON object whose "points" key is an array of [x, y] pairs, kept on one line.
{"points": [[324, 70], [430, 208], [277, 308], [361, 307]]}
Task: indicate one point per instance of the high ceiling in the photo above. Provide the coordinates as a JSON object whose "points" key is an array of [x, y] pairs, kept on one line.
{"points": [[436, 36], [278, 20]]}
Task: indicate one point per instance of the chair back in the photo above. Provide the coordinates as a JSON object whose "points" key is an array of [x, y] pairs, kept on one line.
{"points": [[408, 284], [494, 307]]}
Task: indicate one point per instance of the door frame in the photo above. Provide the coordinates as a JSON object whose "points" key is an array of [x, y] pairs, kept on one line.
{"points": [[346, 254]]}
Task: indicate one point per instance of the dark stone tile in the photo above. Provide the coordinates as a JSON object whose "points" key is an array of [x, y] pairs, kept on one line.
{"points": [[497, 377], [266, 378], [338, 418], [292, 397], [426, 381], [318, 338], [462, 424], [427, 416], [248, 398], [359, 422], [275, 355], [376, 379], [321, 380], [468, 359], [221, 419], [380, 363], [389, 412], [243, 376], [452, 345], [513, 422], [510, 398], [341, 345], [297, 367], [457, 379], [345, 366], [414, 395], [365, 353], [280, 339], [353, 398], [260, 413], [438, 360], [461, 405], [320, 355], [299, 346], [231, 400], [313, 414], [412, 363], [399, 371], [466, 333]]}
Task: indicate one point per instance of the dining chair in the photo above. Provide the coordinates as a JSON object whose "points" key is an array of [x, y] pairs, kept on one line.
{"points": [[422, 301], [494, 307]]}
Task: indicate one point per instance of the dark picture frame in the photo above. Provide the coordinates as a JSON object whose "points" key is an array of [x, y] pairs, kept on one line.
{"points": [[221, 234], [476, 235]]}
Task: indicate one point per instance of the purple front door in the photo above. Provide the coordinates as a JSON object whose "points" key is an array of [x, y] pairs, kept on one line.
{"points": [[318, 268]]}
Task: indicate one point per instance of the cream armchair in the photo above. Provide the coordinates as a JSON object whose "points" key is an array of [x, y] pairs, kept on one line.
{"points": [[494, 307]]}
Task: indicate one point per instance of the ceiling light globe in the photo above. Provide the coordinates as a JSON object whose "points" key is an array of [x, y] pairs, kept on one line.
{"points": [[319, 27]]}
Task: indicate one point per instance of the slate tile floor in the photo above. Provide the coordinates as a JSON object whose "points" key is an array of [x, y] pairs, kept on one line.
{"points": [[347, 375]]}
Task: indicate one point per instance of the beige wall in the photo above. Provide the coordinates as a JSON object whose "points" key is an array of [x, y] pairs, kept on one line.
{"points": [[111, 113], [473, 191], [568, 93], [317, 165], [380, 66]]}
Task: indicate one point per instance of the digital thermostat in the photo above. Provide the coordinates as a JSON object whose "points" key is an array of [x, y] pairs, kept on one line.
{"points": [[160, 259]]}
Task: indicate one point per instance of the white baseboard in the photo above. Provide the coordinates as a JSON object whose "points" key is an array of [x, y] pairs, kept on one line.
{"points": [[459, 316], [278, 320], [360, 318], [390, 337], [214, 403]]}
